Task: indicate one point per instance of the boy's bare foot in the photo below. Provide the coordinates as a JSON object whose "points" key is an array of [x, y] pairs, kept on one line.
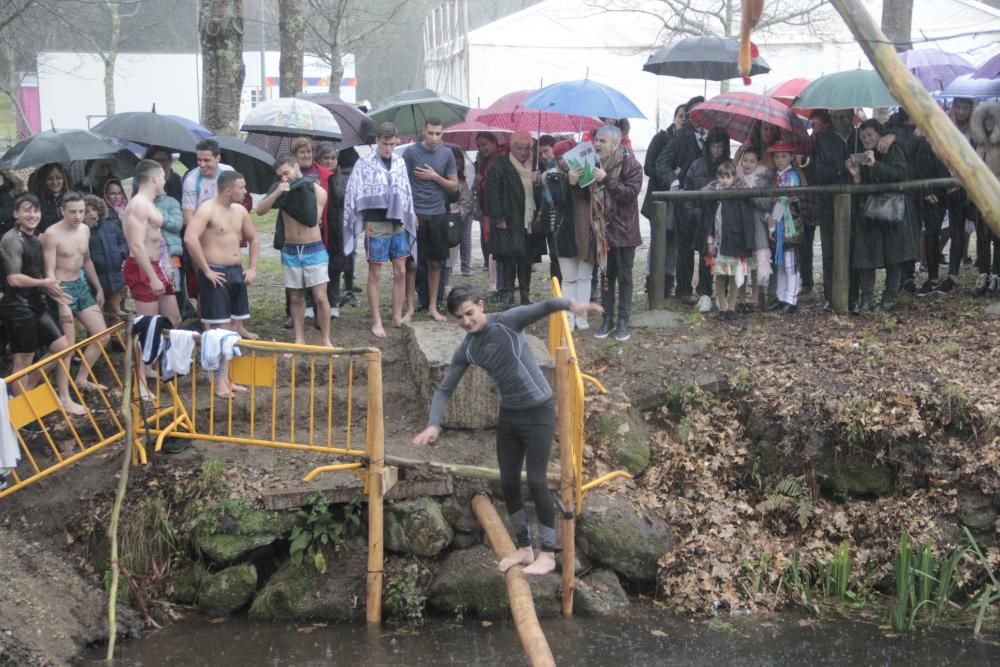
{"points": [[377, 330], [73, 408], [398, 322], [87, 385], [327, 343], [545, 563], [249, 335], [408, 316], [523, 556], [238, 388], [437, 316]]}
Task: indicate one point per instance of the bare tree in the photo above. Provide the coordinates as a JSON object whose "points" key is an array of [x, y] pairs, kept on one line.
{"points": [[338, 26], [19, 32], [897, 23], [220, 24], [292, 26]]}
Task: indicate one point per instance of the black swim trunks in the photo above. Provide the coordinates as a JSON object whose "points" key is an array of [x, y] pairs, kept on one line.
{"points": [[432, 237], [228, 302]]}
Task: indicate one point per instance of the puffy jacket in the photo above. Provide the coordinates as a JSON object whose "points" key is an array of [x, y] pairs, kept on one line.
{"points": [[173, 224], [109, 250]]}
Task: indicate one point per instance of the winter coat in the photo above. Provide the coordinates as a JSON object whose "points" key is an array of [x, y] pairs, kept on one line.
{"points": [[738, 227], [762, 178], [828, 166], [621, 226], [987, 144], [505, 202], [108, 250], [656, 184], [702, 172], [571, 233], [681, 151], [173, 224], [875, 245], [337, 186]]}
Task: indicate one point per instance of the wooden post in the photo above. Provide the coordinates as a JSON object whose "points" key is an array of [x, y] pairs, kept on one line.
{"points": [[376, 449], [658, 252], [522, 606], [567, 486], [949, 144], [841, 252]]}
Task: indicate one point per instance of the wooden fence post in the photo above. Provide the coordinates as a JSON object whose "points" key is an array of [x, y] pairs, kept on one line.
{"points": [[567, 486], [376, 450], [841, 252], [658, 253]]}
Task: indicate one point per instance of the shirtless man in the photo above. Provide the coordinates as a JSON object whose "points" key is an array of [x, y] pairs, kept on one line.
{"points": [[213, 240], [23, 310], [66, 246], [304, 257]]}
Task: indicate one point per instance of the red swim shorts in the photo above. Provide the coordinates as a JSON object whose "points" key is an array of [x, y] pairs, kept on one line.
{"points": [[138, 283]]}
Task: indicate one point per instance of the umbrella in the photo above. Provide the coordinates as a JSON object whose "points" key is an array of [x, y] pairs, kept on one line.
{"points": [[122, 166], [199, 131], [256, 165], [409, 109], [464, 134], [989, 69], [967, 86], [935, 68], [584, 97], [59, 146], [711, 57], [737, 113], [355, 125], [148, 128], [846, 90], [292, 117], [786, 91], [509, 112]]}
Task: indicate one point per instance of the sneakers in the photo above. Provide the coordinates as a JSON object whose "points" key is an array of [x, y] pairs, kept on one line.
{"points": [[605, 329], [927, 287], [705, 304], [788, 309], [947, 285], [582, 324], [621, 333], [334, 312], [982, 285], [994, 284]]}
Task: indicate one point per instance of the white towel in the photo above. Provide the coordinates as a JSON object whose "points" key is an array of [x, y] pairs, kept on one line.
{"points": [[216, 345], [180, 349], [10, 448]]}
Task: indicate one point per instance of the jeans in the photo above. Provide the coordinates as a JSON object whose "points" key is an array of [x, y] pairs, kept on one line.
{"points": [[932, 216], [957, 205], [893, 274], [618, 275], [805, 252]]}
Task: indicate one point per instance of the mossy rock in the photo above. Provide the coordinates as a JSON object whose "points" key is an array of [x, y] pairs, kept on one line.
{"points": [[241, 530], [186, 588], [613, 534], [628, 443], [301, 593], [227, 590], [599, 594], [417, 527], [468, 582]]}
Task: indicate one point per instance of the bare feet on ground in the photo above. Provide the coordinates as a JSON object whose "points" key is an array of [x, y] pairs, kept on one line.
{"points": [[523, 556], [437, 316], [408, 316], [249, 335], [398, 322], [377, 330], [87, 385], [73, 408], [545, 563]]}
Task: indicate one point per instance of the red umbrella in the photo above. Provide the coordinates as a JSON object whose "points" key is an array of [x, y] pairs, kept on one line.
{"points": [[787, 91], [464, 134], [737, 113], [509, 113]]}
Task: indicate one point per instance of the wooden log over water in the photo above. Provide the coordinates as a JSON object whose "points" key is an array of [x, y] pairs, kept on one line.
{"points": [[456, 469], [948, 143], [522, 606]]}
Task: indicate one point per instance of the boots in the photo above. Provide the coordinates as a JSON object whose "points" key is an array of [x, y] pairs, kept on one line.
{"points": [[624, 310], [525, 297], [524, 280]]}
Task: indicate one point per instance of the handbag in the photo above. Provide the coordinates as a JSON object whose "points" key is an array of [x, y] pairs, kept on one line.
{"points": [[454, 229], [885, 208]]}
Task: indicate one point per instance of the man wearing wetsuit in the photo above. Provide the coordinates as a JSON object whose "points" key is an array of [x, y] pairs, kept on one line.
{"points": [[526, 424]]}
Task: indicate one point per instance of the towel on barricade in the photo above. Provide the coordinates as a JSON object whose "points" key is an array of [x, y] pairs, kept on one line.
{"points": [[178, 355], [218, 345], [149, 329], [10, 448]]}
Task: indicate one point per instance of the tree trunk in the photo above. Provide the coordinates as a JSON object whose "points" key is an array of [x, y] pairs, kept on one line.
{"points": [[109, 58], [336, 70], [220, 24], [897, 22], [292, 26]]}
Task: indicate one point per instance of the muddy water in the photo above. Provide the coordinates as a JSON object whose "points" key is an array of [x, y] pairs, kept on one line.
{"points": [[641, 638]]}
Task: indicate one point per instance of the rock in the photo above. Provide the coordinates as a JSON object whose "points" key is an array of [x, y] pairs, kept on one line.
{"points": [[227, 590], [464, 540], [580, 562], [599, 594], [475, 402], [711, 383], [976, 511], [628, 442], [993, 310], [613, 534], [187, 587], [468, 581], [416, 527], [656, 319], [241, 530], [301, 593]]}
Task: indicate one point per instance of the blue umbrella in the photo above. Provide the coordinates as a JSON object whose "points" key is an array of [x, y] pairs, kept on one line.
{"points": [[969, 86], [583, 98]]}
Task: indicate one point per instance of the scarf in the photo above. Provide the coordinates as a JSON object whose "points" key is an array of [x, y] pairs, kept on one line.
{"points": [[528, 183], [602, 207], [370, 186]]}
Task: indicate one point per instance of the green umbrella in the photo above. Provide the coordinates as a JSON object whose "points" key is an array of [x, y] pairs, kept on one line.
{"points": [[846, 90], [410, 108]]}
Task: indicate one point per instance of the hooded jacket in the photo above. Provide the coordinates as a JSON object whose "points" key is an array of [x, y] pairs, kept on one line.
{"points": [[987, 143], [701, 173]]}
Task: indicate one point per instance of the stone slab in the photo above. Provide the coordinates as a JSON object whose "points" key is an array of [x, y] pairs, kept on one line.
{"points": [[289, 498], [657, 319], [475, 402], [993, 310]]}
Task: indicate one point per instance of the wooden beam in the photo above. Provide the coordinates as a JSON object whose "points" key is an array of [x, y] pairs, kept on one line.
{"points": [[658, 254], [841, 252], [836, 189], [949, 144], [456, 469], [522, 605], [376, 450], [567, 486]]}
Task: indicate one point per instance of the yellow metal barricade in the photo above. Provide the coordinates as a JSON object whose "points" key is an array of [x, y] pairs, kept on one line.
{"points": [[560, 335], [48, 437]]}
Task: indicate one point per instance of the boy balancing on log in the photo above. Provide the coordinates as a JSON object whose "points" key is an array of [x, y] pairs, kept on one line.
{"points": [[526, 423]]}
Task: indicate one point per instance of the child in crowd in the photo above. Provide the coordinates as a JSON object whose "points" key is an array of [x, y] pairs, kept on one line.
{"points": [[755, 174], [785, 228], [108, 250], [114, 196], [731, 236]]}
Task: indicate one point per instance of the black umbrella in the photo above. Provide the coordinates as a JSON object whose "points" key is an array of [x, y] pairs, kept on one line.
{"points": [[256, 166], [149, 129], [355, 125], [711, 58], [59, 146]]}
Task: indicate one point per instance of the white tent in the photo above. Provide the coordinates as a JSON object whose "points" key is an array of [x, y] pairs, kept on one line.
{"points": [[563, 40]]}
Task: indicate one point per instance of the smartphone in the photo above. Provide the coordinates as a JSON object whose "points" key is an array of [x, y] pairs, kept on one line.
{"points": [[858, 158]]}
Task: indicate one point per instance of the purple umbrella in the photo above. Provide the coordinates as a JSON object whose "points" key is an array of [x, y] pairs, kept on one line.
{"points": [[989, 69], [935, 68]]}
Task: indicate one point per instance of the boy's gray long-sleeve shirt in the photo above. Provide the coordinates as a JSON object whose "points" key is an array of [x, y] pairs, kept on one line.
{"points": [[501, 349]]}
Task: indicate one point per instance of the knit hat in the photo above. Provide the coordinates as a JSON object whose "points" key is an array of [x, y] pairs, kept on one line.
{"points": [[562, 147], [782, 147]]}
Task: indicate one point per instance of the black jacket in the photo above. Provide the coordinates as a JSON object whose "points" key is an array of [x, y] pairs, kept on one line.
{"points": [[505, 202], [681, 150]]}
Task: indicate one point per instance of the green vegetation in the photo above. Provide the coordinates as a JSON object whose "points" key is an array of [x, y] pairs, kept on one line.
{"points": [[404, 598], [321, 529], [791, 498]]}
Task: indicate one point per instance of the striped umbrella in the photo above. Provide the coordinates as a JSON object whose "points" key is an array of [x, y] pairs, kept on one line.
{"points": [[509, 113], [738, 113]]}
